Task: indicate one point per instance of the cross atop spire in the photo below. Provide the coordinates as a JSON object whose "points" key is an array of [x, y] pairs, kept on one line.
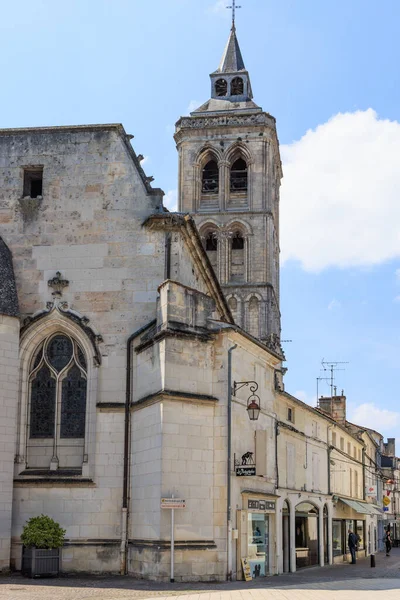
{"points": [[233, 7]]}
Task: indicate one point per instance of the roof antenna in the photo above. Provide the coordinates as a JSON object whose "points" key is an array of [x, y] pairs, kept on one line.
{"points": [[233, 7]]}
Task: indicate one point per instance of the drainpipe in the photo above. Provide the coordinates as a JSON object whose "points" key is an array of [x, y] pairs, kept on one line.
{"points": [[228, 505], [329, 469], [363, 468], [125, 492]]}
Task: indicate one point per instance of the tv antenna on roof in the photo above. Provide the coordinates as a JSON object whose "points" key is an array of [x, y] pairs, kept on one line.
{"points": [[332, 366]]}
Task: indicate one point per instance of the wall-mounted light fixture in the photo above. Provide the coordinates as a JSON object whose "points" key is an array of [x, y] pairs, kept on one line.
{"points": [[253, 401]]}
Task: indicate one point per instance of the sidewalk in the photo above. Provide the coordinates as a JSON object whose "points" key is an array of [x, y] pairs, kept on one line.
{"points": [[337, 582]]}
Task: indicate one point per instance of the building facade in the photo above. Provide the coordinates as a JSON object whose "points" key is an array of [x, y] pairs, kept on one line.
{"points": [[136, 343]]}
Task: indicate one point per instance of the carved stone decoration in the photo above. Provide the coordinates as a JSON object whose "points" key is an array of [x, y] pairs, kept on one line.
{"points": [[58, 284], [80, 320]]}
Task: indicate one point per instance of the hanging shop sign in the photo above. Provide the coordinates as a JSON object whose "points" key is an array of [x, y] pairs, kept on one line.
{"points": [[386, 500], [246, 466], [371, 490]]}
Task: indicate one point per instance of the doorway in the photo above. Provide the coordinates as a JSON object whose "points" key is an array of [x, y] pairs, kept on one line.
{"points": [[258, 544], [306, 535]]}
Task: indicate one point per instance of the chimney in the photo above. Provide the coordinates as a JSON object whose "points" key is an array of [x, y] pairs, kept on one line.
{"points": [[335, 407]]}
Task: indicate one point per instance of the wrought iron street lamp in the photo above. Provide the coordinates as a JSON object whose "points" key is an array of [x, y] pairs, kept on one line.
{"points": [[253, 401]]}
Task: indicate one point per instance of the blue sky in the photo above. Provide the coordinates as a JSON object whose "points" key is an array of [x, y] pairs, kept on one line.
{"points": [[328, 71]]}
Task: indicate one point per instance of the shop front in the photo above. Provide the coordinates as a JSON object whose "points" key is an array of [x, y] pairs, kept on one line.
{"points": [[307, 535], [358, 517], [256, 524]]}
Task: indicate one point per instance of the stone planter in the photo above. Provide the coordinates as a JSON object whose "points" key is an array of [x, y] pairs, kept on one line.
{"points": [[37, 562]]}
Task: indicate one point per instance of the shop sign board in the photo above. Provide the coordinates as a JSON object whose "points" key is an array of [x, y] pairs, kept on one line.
{"points": [[371, 490], [246, 569], [260, 505], [245, 471]]}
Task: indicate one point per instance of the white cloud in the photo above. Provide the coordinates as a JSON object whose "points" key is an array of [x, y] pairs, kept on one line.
{"points": [[193, 104], [380, 419], [339, 202], [334, 304], [171, 200], [219, 7]]}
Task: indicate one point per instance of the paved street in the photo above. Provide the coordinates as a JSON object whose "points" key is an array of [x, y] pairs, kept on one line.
{"points": [[340, 582]]}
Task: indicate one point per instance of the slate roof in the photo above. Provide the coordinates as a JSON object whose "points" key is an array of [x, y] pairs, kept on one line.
{"points": [[8, 288], [232, 60]]}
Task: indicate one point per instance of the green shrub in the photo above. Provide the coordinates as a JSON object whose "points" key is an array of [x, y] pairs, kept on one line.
{"points": [[42, 532]]}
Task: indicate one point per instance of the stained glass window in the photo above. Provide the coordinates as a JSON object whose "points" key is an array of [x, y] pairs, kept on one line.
{"points": [[59, 386], [73, 405], [43, 402]]}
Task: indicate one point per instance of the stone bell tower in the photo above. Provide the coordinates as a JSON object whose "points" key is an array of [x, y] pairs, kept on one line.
{"points": [[229, 179]]}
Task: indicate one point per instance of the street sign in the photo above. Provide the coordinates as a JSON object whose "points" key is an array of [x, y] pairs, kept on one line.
{"points": [[245, 471], [173, 503]]}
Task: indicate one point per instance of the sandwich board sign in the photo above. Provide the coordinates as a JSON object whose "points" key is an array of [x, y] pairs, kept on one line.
{"points": [[246, 569]]}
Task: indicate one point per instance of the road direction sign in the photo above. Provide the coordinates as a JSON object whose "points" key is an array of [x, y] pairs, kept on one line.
{"points": [[173, 503]]}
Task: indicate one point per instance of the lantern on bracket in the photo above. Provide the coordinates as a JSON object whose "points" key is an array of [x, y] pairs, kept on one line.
{"points": [[253, 401]]}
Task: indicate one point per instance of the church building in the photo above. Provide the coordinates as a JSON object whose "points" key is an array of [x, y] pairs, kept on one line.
{"points": [[140, 354]]}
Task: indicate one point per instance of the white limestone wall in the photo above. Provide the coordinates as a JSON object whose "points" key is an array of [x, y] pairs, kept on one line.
{"points": [[146, 472], [9, 365]]}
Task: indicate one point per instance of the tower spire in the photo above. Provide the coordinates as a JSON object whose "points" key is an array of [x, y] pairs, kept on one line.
{"points": [[233, 7]]}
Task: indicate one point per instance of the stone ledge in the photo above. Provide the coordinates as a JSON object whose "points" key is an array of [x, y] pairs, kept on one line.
{"points": [[179, 544], [174, 395]]}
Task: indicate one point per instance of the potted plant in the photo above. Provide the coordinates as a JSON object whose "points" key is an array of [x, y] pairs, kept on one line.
{"points": [[42, 539]]}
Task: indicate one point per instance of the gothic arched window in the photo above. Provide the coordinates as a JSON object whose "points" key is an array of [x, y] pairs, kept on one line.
{"points": [[237, 87], [57, 410], [210, 178], [211, 242], [221, 87], [239, 176], [237, 263], [254, 317]]}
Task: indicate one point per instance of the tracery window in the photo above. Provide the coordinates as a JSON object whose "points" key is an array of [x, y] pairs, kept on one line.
{"points": [[237, 87], [221, 87], [210, 178], [57, 410], [239, 176]]}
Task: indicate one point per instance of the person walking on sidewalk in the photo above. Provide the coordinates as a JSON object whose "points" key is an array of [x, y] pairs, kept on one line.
{"points": [[352, 543], [388, 542]]}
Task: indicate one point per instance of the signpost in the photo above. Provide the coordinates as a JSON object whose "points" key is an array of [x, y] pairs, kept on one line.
{"points": [[172, 504]]}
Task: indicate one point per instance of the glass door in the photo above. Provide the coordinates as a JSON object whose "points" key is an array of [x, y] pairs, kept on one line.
{"points": [[258, 544]]}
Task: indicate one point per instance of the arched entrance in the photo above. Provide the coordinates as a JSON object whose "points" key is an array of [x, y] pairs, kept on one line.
{"points": [[286, 537], [306, 535]]}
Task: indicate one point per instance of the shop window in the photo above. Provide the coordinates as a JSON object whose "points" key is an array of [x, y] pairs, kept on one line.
{"points": [[360, 532], [337, 538], [210, 178], [258, 544]]}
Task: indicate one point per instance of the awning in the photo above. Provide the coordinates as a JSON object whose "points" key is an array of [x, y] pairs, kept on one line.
{"points": [[361, 507], [354, 505]]}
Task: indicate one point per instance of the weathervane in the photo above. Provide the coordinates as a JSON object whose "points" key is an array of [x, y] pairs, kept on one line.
{"points": [[233, 7]]}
